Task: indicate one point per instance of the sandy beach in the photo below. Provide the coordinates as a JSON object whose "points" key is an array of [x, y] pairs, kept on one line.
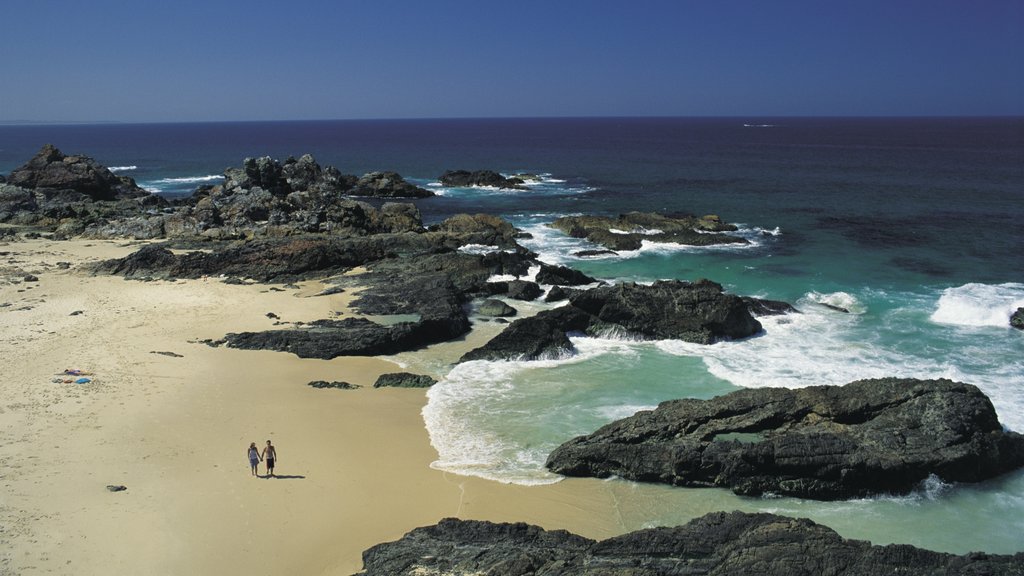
{"points": [[170, 419]]}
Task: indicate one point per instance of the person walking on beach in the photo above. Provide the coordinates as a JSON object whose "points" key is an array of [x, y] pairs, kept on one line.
{"points": [[270, 455], [254, 459]]}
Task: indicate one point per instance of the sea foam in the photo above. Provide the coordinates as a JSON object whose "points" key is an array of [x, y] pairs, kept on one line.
{"points": [[979, 304]]}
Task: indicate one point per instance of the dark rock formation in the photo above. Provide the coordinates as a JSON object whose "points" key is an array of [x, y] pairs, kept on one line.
{"points": [[78, 197], [387, 185], [1017, 319], [50, 169], [696, 312], [351, 337], [544, 335], [562, 276], [822, 442], [491, 307], [465, 179], [404, 380], [69, 193], [558, 293], [717, 544], [340, 385], [628, 231]]}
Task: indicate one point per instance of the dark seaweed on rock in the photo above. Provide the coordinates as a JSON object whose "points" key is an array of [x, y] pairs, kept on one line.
{"points": [[716, 544], [868, 437]]}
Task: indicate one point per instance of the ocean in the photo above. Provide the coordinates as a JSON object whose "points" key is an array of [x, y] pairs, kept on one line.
{"points": [[911, 224]]}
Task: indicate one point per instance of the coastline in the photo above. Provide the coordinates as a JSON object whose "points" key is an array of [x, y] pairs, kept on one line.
{"points": [[354, 464]]}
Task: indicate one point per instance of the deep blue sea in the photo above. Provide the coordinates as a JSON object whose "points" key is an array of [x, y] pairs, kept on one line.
{"points": [[912, 224]]}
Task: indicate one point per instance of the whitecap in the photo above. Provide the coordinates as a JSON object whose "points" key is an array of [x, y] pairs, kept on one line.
{"points": [[122, 168], [978, 304], [189, 179]]}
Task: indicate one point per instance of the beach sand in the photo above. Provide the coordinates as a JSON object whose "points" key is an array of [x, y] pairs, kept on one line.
{"points": [[171, 418]]}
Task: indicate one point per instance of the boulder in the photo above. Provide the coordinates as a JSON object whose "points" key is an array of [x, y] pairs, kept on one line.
{"points": [[716, 544], [489, 178], [882, 436], [1017, 319], [491, 307], [404, 380], [523, 290], [670, 309]]}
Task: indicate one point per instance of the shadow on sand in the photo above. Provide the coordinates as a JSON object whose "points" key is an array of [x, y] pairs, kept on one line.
{"points": [[283, 477]]}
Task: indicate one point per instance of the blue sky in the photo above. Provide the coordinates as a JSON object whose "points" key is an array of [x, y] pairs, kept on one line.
{"points": [[106, 60]]}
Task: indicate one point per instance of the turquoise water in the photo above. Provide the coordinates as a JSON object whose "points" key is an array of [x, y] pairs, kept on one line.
{"points": [[911, 224]]}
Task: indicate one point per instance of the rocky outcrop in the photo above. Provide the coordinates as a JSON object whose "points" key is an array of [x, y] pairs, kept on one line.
{"points": [[629, 231], [70, 193], [387, 185], [78, 197], [717, 544], [823, 442], [696, 312], [404, 380], [420, 280], [52, 170], [466, 179], [562, 276], [1017, 319]]}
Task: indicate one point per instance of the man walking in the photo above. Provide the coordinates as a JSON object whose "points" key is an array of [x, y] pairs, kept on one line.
{"points": [[269, 455]]}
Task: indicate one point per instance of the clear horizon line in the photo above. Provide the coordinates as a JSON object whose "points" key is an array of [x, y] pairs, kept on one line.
{"points": [[463, 118]]}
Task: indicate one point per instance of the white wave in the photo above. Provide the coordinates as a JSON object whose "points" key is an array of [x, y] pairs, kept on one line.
{"points": [[531, 276], [638, 230], [833, 300], [122, 168], [979, 304], [484, 418], [189, 179], [482, 249]]}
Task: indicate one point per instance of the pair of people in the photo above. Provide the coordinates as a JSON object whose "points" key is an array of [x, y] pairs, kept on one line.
{"points": [[255, 457]]}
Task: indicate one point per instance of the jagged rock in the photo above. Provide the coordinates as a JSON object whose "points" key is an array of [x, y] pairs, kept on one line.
{"points": [[387, 185], [629, 231], [465, 179], [1017, 319], [544, 335], [491, 307], [52, 169], [881, 436], [562, 276], [558, 293], [696, 312], [404, 380], [716, 544]]}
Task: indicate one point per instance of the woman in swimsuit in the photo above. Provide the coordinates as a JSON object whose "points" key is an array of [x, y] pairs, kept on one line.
{"points": [[254, 458]]}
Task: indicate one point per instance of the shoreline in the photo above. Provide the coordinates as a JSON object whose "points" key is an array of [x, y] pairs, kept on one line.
{"points": [[170, 418], [355, 464]]}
